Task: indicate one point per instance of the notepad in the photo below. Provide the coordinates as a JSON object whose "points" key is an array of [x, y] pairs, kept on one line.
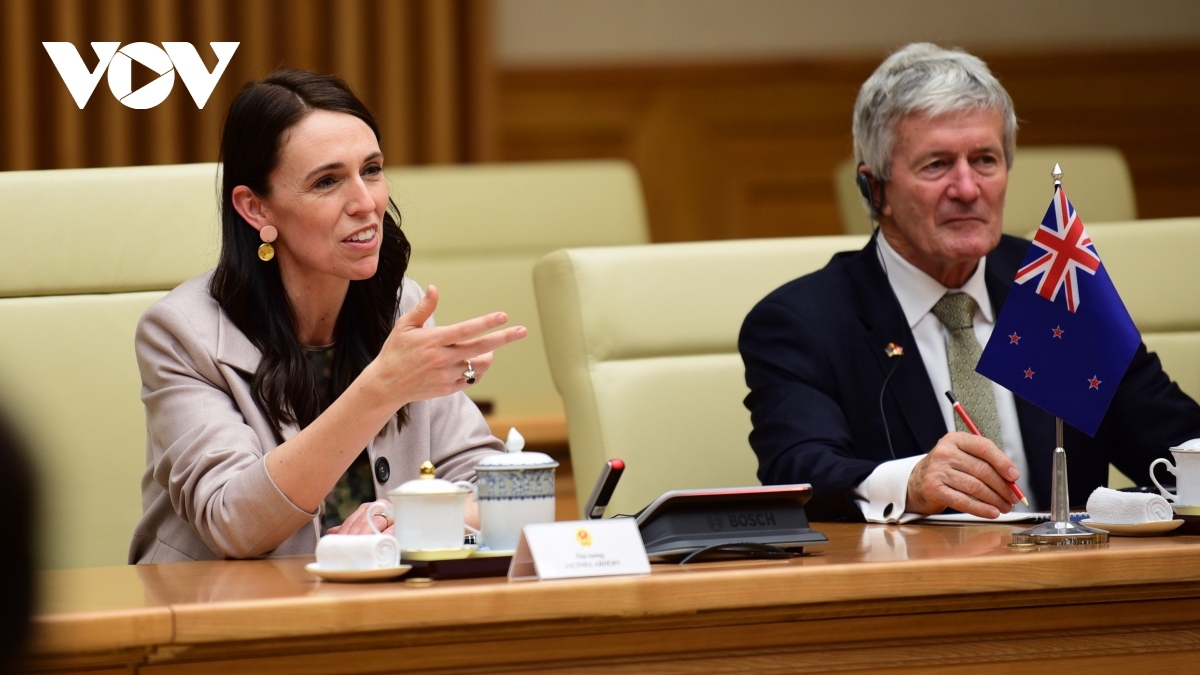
{"points": [[1010, 517]]}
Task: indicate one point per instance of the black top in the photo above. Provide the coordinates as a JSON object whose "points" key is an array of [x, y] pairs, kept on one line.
{"points": [[356, 486]]}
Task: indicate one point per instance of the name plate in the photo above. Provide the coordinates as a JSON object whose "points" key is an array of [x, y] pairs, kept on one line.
{"points": [[579, 548]]}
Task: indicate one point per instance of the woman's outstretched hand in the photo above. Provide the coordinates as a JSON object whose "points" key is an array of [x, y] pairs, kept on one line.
{"points": [[419, 363]]}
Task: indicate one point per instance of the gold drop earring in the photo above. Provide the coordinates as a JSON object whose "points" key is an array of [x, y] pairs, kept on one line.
{"points": [[268, 234]]}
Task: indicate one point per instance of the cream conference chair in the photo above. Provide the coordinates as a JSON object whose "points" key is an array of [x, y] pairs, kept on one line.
{"points": [[85, 252], [642, 343], [88, 250], [1151, 263], [1096, 179]]}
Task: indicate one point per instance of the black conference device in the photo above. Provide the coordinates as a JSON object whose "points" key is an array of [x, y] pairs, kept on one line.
{"points": [[748, 520]]}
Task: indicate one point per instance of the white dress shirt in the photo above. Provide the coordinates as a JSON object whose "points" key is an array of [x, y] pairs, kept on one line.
{"points": [[883, 494]]}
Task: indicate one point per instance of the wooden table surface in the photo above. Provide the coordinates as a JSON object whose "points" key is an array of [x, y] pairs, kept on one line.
{"points": [[897, 598]]}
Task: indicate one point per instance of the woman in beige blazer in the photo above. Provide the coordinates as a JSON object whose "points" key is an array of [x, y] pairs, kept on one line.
{"points": [[305, 364]]}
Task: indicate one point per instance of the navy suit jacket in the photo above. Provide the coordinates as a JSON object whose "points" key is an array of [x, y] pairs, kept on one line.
{"points": [[816, 365]]}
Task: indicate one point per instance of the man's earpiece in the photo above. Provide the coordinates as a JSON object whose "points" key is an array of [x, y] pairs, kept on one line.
{"points": [[864, 180]]}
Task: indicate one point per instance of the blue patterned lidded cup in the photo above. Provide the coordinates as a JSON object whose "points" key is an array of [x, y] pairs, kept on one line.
{"points": [[515, 488]]}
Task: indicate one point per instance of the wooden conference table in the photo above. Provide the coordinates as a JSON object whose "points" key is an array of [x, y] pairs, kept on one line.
{"points": [[927, 599]]}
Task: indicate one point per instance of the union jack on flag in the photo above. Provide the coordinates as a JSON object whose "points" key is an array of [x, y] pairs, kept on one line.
{"points": [[1065, 357], [1067, 250]]}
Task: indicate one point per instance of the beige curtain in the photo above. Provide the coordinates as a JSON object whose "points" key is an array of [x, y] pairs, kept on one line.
{"points": [[422, 66]]}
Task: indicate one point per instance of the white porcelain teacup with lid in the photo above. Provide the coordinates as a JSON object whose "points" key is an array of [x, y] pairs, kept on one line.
{"points": [[515, 489], [429, 512], [1187, 474]]}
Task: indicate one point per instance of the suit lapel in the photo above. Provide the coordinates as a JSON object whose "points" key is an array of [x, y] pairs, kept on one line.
{"points": [[884, 321], [234, 349]]}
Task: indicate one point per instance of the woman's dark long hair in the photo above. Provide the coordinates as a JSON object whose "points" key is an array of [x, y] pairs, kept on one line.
{"points": [[17, 496], [251, 291]]}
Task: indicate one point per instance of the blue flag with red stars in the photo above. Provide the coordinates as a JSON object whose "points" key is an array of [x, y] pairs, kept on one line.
{"points": [[1064, 339]]}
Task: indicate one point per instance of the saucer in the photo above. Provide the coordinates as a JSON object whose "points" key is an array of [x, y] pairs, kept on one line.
{"points": [[430, 554], [1148, 528], [376, 574], [1186, 509]]}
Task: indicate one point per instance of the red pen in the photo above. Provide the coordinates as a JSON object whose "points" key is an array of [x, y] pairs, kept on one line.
{"points": [[962, 414]]}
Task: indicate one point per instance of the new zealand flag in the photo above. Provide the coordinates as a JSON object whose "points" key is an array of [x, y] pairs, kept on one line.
{"points": [[1063, 339]]}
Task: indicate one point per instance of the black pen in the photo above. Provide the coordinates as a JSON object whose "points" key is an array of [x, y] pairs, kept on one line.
{"points": [[602, 493]]}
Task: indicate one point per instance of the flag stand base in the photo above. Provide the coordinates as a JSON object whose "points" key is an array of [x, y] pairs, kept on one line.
{"points": [[1060, 531]]}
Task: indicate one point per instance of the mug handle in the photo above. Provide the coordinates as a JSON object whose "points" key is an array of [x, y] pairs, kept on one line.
{"points": [[385, 507], [1169, 497], [475, 491]]}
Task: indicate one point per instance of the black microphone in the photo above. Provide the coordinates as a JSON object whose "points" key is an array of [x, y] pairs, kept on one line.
{"points": [[894, 351], [605, 484]]}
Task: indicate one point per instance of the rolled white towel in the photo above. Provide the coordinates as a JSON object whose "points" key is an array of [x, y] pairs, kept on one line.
{"points": [[1121, 508], [347, 552]]}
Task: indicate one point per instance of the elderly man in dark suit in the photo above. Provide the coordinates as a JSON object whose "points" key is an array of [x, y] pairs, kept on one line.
{"points": [[846, 366]]}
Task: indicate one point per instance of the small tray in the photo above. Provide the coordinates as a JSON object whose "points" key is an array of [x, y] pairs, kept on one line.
{"points": [[483, 563], [437, 554], [1190, 515]]}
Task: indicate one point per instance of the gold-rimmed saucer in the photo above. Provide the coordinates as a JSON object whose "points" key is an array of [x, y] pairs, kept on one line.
{"points": [[1147, 528]]}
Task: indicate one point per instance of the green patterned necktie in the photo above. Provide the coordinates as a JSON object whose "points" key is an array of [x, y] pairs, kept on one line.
{"points": [[974, 391]]}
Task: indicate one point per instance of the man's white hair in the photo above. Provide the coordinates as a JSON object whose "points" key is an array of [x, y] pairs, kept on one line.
{"points": [[929, 80]]}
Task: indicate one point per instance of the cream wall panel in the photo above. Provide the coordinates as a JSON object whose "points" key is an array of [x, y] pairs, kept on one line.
{"points": [[576, 32]]}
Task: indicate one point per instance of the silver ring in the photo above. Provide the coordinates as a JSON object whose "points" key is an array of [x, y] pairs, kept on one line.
{"points": [[469, 376]]}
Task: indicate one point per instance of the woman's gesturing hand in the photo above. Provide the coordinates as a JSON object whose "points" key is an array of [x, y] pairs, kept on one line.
{"points": [[419, 363]]}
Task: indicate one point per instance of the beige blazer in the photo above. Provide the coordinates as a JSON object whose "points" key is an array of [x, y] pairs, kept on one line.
{"points": [[206, 493]]}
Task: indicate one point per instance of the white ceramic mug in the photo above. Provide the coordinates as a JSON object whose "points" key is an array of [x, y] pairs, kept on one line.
{"points": [[1187, 474], [515, 489], [429, 512]]}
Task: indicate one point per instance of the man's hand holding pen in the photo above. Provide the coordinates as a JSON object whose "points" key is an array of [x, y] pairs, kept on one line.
{"points": [[964, 472]]}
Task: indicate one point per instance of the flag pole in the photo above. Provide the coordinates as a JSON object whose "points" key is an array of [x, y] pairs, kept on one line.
{"points": [[1059, 531]]}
